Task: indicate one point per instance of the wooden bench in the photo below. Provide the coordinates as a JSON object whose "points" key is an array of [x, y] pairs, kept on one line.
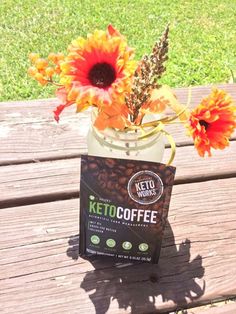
{"points": [[40, 271]]}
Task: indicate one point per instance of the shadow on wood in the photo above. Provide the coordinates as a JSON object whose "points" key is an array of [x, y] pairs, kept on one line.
{"points": [[145, 287]]}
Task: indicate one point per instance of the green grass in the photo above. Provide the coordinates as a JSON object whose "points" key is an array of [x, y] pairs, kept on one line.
{"points": [[202, 37]]}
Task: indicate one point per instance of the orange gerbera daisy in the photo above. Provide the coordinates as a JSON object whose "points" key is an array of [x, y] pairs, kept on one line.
{"points": [[97, 70], [212, 122]]}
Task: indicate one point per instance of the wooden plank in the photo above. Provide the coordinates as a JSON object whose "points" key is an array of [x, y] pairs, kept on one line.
{"points": [[216, 309], [28, 132], [39, 182], [34, 139], [35, 224], [196, 266], [191, 167], [59, 179]]}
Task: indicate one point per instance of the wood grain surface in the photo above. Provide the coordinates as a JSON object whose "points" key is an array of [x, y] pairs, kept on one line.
{"points": [[38, 258], [222, 308], [40, 271]]}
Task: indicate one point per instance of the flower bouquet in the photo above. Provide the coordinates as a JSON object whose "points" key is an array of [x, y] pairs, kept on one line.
{"points": [[124, 199], [99, 71]]}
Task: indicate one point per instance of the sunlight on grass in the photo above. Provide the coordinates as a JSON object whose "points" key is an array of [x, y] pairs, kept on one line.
{"points": [[202, 36]]}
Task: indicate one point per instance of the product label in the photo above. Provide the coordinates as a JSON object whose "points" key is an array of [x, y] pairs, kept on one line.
{"points": [[123, 207], [145, 187]]}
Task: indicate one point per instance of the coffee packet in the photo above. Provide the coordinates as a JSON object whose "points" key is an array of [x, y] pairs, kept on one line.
{"points": [[123, 208]]}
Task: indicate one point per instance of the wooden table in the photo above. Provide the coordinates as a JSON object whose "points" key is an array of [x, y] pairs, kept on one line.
{"points": [[40, 271]]}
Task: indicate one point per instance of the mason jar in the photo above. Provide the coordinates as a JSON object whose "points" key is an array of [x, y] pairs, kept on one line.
{"points": [[126, 144]]}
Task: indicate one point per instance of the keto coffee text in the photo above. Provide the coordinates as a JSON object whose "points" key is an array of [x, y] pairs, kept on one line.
{"points": [[118, 212]]}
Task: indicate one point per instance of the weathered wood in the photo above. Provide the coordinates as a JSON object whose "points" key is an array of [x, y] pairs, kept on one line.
{"points": [[216, 309], [59, 179], [37, 274], [39, 182], [35, 139], [26, 225], [191, 167], [28, 132]]}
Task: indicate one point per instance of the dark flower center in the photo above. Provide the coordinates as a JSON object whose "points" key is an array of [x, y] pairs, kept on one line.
{"points": [[102, 75], [204, 123]]}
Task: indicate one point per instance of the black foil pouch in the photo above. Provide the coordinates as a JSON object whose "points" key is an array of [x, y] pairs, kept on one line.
{"points": [[123, 207]]}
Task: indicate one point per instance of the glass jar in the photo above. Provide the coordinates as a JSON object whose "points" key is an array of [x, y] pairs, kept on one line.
{"points": [[126, 145]]}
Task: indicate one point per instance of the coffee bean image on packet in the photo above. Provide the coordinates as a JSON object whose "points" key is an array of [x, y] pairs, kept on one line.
{"points": [[123, 208]]}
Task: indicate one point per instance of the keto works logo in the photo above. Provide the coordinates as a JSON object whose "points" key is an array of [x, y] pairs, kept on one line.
{"points": [[145, 187]]}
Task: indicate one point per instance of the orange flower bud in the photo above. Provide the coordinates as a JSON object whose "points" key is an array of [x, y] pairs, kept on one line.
{"points": [[60, 56], [57, 69], [42, 71], [65, 66], [49, 71], [39, 77], [32, 71], [52, 57], [41, 64], [33, 57]]}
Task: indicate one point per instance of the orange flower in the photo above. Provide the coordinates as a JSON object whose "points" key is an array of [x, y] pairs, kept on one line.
{"points": [[112, 116], [98, 69], [212, 122]]}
